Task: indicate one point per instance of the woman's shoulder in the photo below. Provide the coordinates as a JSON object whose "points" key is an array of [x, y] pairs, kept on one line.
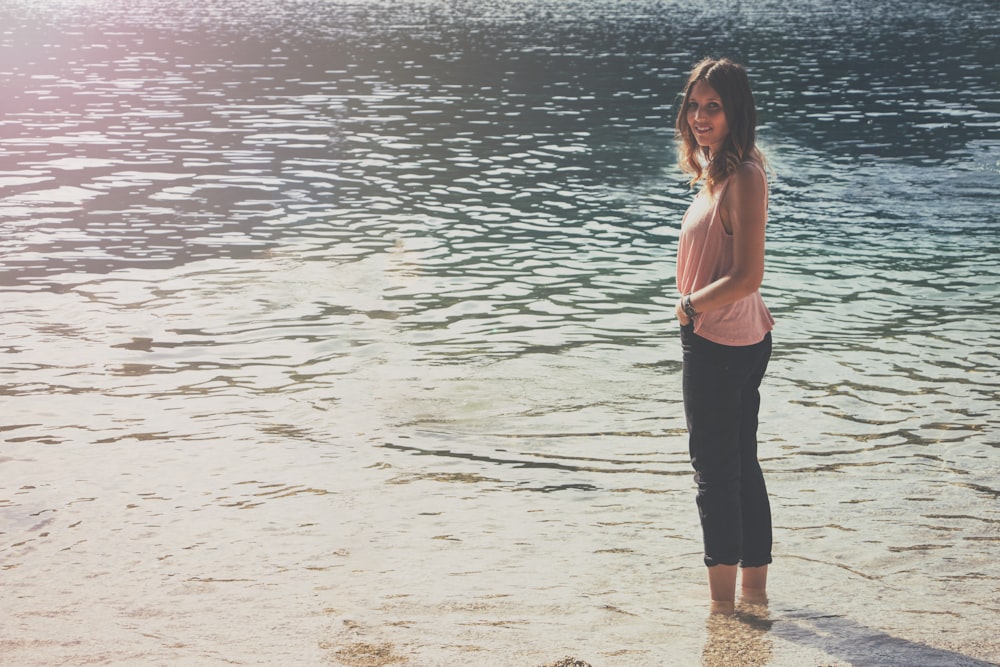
{"points": [[751, 168], [750, 175], [747, 184]]}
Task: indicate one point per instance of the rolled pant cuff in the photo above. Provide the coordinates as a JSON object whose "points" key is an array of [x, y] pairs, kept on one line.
{"points": [[712, 562]]}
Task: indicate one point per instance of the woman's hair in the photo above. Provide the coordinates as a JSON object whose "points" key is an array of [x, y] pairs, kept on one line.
{"points": [[730, 81]]}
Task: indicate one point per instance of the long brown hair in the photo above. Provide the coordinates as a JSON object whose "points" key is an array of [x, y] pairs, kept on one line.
{"points": [[730, 81]]}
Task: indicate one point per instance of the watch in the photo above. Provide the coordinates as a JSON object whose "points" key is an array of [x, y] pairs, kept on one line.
{"points": [[688, 307]]}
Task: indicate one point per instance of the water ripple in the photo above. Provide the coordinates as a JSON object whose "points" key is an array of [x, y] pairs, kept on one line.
{"points": [[432, 243]]}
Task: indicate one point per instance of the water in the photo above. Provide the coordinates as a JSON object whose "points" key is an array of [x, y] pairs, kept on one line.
{"points": [[341, 332]]}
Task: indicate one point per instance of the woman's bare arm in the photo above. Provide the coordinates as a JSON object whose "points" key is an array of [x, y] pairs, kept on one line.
{"points": [[744, 214]]}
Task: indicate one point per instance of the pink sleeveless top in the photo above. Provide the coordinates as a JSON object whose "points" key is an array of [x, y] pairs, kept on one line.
{"points": [[705, 254]]}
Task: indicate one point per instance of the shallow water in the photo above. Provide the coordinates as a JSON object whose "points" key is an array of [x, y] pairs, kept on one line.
{"points": [[340, 332]]}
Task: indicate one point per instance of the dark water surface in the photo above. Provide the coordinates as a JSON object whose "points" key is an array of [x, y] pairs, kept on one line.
{"points": [[336, 330]]}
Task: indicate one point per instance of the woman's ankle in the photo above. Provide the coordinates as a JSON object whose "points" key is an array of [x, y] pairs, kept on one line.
{"points": [[754, 579], [726, 607], [753, 595], [722, 588]]}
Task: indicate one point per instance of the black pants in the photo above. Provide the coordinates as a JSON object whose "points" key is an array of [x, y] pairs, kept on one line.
{"points": [[721, 401]]}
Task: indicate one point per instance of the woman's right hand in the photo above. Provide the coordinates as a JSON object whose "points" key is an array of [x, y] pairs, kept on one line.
{"points": [[681, 315]]}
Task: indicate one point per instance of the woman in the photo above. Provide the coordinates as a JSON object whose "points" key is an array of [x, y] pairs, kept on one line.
{"points": [[725, 326]]}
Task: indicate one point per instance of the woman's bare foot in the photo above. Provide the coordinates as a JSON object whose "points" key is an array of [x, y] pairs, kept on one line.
{"points": [[753, 595], [727, 607]]}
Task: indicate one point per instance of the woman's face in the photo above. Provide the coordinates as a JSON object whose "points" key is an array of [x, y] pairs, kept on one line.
{"points": [[706, 117]]}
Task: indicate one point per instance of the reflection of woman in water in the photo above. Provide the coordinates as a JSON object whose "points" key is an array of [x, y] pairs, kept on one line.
{"points": [[725, 326]]}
